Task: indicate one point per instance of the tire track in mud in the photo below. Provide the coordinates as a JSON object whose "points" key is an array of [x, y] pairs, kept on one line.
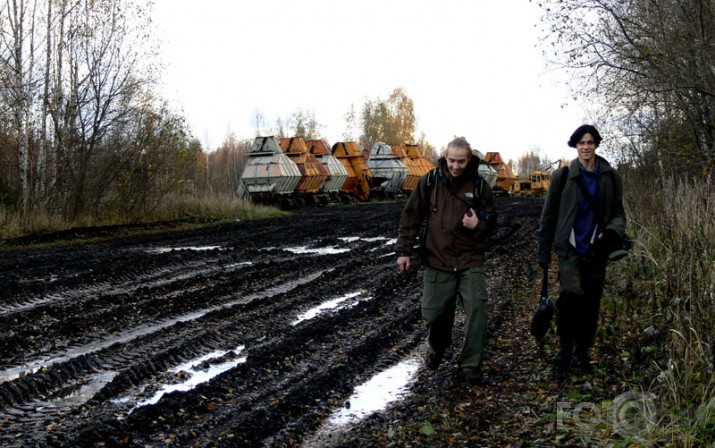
{"points": [[25, 400], [116, 329]]}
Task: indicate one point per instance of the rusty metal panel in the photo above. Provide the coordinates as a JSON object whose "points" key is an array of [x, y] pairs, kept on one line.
{"points": [[414, 169], [505, 176], [314, 174], [317, 148], [359, 175], [338, 174], [422, 163]]}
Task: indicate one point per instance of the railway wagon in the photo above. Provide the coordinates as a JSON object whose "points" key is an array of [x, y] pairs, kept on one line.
{"points": [[338, 174], [419, 165], [269, 175], [313, 174], [389, 172], [359, 181]]}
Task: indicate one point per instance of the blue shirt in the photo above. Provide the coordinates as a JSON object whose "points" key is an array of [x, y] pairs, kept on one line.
{"points": [[584, 227]]}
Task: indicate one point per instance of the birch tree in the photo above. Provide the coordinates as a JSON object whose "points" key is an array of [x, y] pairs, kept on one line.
{"points": [[17, 77]]}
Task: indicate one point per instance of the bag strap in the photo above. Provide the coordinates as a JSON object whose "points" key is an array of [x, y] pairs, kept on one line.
{"points": [[477, 182], [564, 178], [431, 181]]}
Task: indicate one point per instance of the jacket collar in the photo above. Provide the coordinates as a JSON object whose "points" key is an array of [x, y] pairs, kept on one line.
{"points": [[469, 172], [575, 169]]}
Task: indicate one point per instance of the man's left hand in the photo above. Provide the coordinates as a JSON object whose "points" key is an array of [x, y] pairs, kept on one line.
{"points": [[468, 221]]}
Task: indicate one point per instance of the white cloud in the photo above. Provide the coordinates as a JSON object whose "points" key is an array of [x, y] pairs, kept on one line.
{"points": [[472, 68]]}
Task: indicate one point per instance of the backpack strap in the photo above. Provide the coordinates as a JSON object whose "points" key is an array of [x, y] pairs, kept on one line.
{"points": [[565, 177], [431, 182], [477, 181]]}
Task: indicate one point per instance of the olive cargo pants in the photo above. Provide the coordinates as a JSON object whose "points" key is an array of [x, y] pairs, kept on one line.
{"points": [[439, 300]]}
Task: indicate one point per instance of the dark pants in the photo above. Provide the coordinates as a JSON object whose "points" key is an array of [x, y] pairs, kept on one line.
{"points": [[439, 304], [582, 278]]}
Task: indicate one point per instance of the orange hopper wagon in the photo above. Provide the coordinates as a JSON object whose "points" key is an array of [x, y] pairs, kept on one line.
{"points": [[338, 173], [358, 182], [413, 175], [505, 176], [420, 164], [314, 174]]}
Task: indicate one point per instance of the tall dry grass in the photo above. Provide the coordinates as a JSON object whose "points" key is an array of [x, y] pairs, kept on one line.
{"points": [[202, 207], [672, 271]]}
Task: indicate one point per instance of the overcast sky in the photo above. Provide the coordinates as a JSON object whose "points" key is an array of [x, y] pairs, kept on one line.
{"points": [[472, 67]]}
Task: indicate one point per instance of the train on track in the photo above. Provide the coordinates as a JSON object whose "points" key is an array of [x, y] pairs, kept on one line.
{"points": [[293, 172]]}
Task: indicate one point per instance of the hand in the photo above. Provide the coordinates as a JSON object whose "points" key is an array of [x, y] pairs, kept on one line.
{"points": [[606, 243], [470, 219], [403, 263]]}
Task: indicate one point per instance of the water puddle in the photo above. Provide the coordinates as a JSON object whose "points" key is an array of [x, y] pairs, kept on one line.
{"points": [[333, 304], [372, 239], [391, 242], [329, 250], [32, 367], [375, 394], [163, 250], [197, 371], [388, 241], [372, 396], [78, 394]]}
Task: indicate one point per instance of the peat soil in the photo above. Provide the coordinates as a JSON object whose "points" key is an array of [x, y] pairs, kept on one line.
{"points": [[216, 337]]}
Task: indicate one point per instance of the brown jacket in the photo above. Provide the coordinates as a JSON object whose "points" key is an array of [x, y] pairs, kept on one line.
{"points": [[449, 246]]}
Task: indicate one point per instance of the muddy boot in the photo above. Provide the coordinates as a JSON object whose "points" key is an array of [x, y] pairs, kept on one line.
{"points": [[432, 359], [474, 377], [581, 358], [563, 357]]}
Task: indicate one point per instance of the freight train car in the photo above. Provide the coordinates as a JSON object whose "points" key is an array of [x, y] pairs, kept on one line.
{"points": [[421, 163], [388, 170], [359, 181], [292, 172], [269, 176], [338, 174], [505, 176], [313, 174], [416, 164]]}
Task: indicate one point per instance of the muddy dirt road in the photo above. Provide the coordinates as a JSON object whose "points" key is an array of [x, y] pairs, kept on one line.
{"points": [[244, 334]]}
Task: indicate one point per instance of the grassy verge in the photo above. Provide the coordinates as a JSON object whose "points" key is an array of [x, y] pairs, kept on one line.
{"points": [[181, 210], [670, 281]]}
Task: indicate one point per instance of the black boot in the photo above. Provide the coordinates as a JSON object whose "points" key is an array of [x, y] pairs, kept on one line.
{"points": [[563, 357], [432, 359], [581, 358]]}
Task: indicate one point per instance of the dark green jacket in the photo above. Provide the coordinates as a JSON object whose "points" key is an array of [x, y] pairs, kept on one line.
{"points": [[560, 207], [449, 246]]}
